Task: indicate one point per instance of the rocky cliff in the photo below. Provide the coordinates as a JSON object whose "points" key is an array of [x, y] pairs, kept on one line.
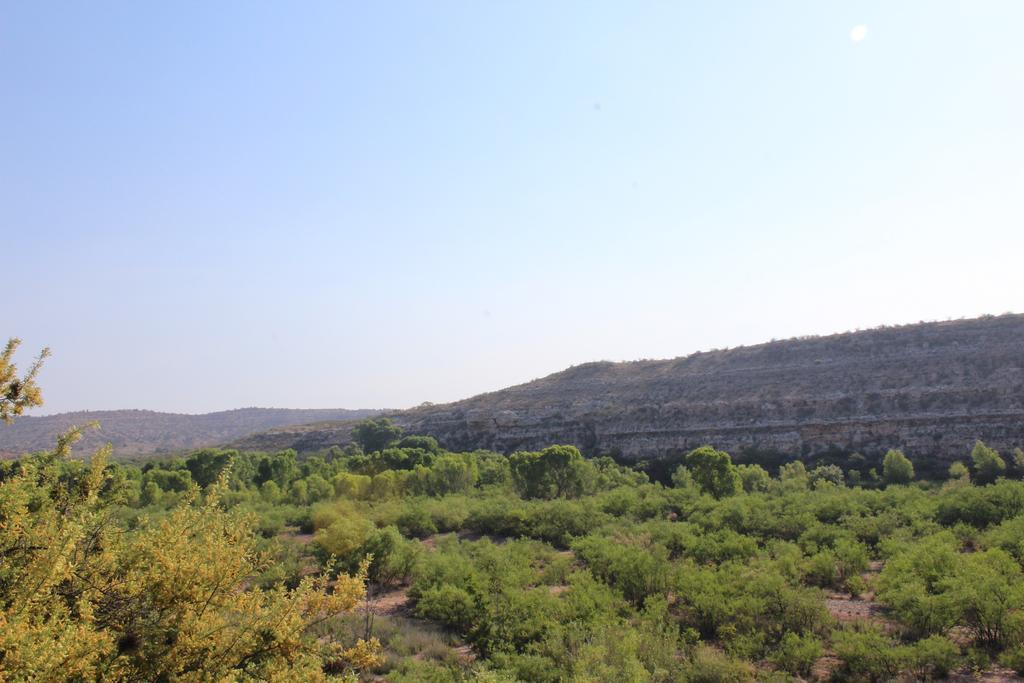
{"points": [[929, 388]]}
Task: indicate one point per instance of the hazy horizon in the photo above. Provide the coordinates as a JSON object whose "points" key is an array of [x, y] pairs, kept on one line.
{"points": [[210, 207]]}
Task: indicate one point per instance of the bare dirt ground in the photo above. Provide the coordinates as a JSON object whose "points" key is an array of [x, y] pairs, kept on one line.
{"points": [[293, 535], [393, 603], [846, 608]]}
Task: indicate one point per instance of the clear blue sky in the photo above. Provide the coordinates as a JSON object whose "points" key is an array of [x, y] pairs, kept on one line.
{"points": [[340, 204]]}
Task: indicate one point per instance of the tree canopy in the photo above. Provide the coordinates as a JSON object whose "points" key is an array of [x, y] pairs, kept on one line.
{"points": [[988, 466], [897, 468], [376, 434], [555, 472], [712, 470]]}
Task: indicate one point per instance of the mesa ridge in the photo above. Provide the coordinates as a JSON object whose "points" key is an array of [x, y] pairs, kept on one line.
{"points": [[928, 388]]}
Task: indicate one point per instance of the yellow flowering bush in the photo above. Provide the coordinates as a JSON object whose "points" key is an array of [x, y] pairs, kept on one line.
{"points": [[82, 598]]}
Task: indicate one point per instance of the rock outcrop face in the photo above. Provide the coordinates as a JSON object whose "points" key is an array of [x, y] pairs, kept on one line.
{"points": [[930, 389]]}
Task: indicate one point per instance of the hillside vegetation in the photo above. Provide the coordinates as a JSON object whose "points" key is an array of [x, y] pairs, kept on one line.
{"points": [[930, 388], [145, 432]]}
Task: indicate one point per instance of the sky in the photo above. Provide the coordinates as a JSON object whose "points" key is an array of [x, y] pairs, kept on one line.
{"points": [[206, 206]]}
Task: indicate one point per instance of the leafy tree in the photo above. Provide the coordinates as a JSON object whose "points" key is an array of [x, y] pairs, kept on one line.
{"points": [[17, 394], [529, 475], [713, 471], [452, 474], [386, 484], [318, 488], [178, 481], [753, 477], [393, 557], [794, 475], [897, 468], [424, 443], [206, 465], [375, 435], [832, 474], [390, 459], [557, 471], [270, 491], [350, 485], [682, 479], [244, 469], [298, 491], [988, 466], [151, 493], [493, 468], [1018, 458], [566, 469], [316, 465], [959, 472], [280, 468]]}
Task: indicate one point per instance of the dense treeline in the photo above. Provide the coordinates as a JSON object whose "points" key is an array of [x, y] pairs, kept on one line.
{"points": [[555, 567]]}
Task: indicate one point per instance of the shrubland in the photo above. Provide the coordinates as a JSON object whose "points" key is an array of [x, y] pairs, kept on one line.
{"points": [[539, 566]]}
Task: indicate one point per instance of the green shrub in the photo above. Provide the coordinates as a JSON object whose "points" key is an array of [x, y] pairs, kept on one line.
{"points": [[447, 514], [707, 665], [796, 653], [1014, 659], [394, 558], [932, 658], [897, 468], [866, 652], [820, 569], [449, 605], [417, 523], [343, 537]]}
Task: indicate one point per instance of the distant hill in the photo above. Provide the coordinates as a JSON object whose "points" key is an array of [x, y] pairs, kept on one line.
{"points": [[145, 432], [929, 388]]}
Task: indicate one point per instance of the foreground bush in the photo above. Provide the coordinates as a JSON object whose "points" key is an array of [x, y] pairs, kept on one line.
{"points": [[80, 599]]}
